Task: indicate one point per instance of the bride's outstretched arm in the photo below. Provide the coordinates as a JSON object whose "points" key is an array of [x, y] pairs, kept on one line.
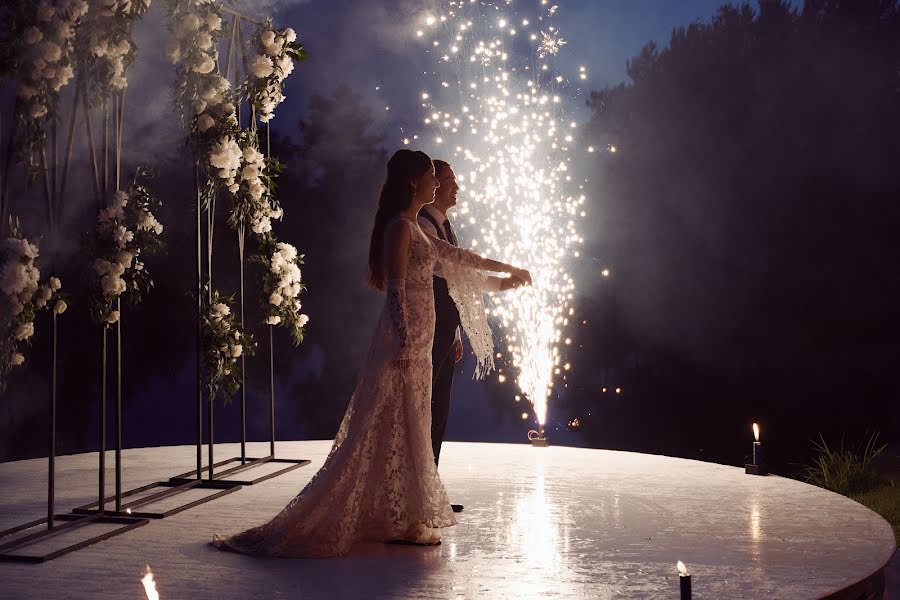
{"points": [[395, 258], [449, 252]]}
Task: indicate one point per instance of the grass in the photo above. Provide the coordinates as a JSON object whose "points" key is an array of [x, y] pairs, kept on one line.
{"points": [[885, 500], [844, 469], [850, 471]]}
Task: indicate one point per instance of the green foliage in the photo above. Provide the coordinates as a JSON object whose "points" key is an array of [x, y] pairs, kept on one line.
{"points": [[885, 500], [844, 469]]}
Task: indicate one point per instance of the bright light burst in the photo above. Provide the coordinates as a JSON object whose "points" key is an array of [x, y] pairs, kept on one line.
{"points": [[493, 110]]}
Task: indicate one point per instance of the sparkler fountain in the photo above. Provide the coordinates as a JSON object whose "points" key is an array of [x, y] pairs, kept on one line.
{"points": [[495, 109]]}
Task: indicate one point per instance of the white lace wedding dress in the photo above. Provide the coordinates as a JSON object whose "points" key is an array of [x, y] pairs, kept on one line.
{"points": [[379, 482]]}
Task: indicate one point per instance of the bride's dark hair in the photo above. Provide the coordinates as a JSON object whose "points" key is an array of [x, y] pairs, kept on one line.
{"points": [[396, 195]]}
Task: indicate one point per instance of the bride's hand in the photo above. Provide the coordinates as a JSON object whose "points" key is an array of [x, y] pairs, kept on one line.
{"points": [[523, 275]]}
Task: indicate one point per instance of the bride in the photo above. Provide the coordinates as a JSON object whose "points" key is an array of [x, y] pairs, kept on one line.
{"points": [[379, 482]]}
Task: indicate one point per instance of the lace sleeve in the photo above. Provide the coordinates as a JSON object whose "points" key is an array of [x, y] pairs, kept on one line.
{"points": [[449, 253], [395, 303]]}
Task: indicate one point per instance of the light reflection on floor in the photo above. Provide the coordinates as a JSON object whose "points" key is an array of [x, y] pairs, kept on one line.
{"points": [[538, 523]]}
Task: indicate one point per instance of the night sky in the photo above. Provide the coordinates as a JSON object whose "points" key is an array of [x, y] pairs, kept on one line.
{"points": [[682, 332]]}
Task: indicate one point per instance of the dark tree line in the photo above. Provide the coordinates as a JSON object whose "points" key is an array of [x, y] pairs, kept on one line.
{"points": [[750, 216]]}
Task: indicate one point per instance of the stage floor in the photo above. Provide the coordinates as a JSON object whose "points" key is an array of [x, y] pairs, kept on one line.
{"points": [[551, 522]]}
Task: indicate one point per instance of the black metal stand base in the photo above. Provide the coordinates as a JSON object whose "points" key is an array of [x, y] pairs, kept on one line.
{"points": [[171, 488], [755, 469], [69, 522], [247, 464]]}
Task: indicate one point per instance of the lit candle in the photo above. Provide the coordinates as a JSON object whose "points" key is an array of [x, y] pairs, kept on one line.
{"points": [[685, 579], [757, 447]]}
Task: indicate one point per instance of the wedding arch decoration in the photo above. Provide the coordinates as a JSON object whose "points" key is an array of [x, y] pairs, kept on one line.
{"points": [[56, 42], [22, 297]]}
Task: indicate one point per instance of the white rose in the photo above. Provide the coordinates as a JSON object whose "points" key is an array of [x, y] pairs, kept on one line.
{"points": [[275, 47], [233, 188], [204, 40], [125, 259], [50, 52], [205, 65], [24, 331], [290, 35], [273, 320], [250, 172], [26, 92], [16, 359], [236, 350], [190, 23], [276, 299], [173, 51], [199, 106], [302, 320], [60, 307], [113, 317], [17, 308], [33, 35], [286, 65], [64, 31], [204, 122], [55, 283], [261, 66], [267, 38], [213, 22]]}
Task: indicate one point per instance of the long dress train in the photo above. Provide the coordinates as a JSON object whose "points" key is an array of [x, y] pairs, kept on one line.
{"points": [[379, 482]]}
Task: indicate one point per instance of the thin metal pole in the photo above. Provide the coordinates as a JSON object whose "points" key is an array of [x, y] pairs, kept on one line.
{"points": [[243, 355], [120, 126], [119, 407], [199, 327], [102, 472], [105, 148], [92, 150], [51, 467], [69, 142], [271, 392], [48, 193]]}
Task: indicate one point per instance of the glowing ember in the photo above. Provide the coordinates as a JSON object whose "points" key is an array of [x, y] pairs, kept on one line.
{"points": [[756, 432], [149, 585], [498, 116], [682, 570]]}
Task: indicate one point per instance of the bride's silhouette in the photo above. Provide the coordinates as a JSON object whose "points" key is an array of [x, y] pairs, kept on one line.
{"points": [[380, 482]]}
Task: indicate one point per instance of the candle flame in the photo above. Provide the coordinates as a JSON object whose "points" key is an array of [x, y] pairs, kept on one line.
{"points": [[149, 585], [756, 432], [682, 570]]}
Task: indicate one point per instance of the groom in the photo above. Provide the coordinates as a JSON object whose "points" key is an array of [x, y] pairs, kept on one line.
{"points": [[446, 350]]}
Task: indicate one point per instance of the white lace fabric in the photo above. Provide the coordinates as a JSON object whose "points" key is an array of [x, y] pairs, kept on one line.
{"points": [[379, 482]]}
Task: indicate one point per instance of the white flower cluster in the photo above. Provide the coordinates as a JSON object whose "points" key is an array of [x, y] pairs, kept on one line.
{"points": [[112, 230], [260, 211], [22, 296], [285, 286], [270, 67], [46, 61], [105, 35]]}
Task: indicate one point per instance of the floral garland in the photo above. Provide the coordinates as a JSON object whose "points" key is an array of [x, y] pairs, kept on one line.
{"points": [[274, 61], [223, 343], [127, 231], [43, 59], [281, 287], [105, 45], [22, 296]]}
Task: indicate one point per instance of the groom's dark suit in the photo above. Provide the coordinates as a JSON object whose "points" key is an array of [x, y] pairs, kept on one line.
{"points": [[443, 359]]}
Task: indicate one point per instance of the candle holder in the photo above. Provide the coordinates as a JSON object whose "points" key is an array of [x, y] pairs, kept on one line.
{"points": [[757, 467], [684, 579], [537, 439]]}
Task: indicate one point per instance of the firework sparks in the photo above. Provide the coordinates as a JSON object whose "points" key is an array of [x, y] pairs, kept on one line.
{"points": [[550, 43], [498, 117]]}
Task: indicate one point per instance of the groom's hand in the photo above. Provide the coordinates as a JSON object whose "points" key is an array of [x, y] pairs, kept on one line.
{"points": [[457, 350]]}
